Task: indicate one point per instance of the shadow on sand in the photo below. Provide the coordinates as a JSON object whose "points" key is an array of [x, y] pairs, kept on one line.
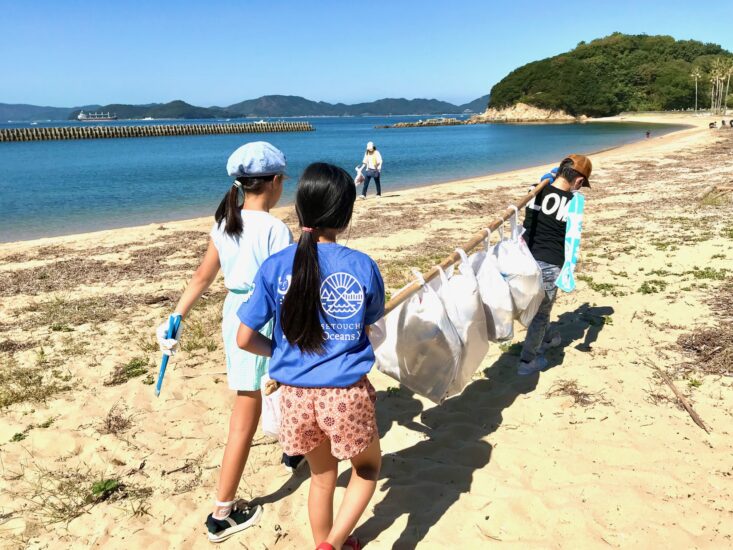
{"points": [[423, 481], [583, 326], [426, 479]]}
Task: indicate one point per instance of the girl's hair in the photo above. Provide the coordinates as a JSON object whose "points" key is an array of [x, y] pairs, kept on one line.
{"points": [[324, 200], [374, 148], [230, 209]]}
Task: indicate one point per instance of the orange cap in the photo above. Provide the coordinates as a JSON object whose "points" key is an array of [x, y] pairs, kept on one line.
{"points": [[582, 165]]}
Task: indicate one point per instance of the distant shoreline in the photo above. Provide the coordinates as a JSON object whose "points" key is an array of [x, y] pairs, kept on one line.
{"points": [[264, 117], [622, 117], [425, 187]]}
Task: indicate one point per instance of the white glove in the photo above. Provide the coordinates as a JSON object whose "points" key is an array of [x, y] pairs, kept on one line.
{"points": [[168, 346]]}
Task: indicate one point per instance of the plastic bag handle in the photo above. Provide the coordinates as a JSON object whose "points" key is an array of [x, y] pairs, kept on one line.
{"points": [[464, 267], [418, 276], [463, 255], [514, 221], [487, 240]]}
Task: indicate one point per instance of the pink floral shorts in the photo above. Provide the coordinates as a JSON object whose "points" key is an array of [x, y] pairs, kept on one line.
{"points": [[344, 415]]}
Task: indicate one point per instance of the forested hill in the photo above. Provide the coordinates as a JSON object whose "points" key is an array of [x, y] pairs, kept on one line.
{"points": [[617, 73]]}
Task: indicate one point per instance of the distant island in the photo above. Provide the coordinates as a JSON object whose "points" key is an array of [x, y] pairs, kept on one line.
{"points": [[266, 106], [609, 75]]}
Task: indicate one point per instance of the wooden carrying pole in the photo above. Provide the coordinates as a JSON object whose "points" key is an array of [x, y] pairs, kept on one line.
{"points": [[475, 241]]}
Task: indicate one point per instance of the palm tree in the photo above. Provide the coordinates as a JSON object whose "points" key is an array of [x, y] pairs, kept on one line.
{"points": [[728, 74], [721, 71], [716, 83], [697, 75], [726, 70]]}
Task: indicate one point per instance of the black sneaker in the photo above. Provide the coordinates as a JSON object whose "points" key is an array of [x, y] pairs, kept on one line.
{"points": [[242, 516]]}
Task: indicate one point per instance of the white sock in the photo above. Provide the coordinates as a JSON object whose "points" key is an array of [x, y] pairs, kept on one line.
{"points": [[223, 509]]}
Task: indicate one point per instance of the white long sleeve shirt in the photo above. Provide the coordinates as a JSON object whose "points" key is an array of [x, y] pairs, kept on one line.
{"points": [[373, 161]]}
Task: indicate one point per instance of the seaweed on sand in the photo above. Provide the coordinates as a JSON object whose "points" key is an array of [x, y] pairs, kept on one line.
{"points": [[712, 347], [580, 397]]}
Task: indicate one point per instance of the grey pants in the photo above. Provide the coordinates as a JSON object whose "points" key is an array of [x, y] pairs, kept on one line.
{"points": [[538, 326]]}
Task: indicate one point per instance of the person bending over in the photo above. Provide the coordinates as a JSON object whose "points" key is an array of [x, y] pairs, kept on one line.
{"points": [[544, 224]]}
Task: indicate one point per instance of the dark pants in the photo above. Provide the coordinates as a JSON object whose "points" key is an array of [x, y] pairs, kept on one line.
{"points": [[537, 330], [367, 179]]}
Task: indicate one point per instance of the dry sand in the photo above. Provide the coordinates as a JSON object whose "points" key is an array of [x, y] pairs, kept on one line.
{"points": [[593, 453]]}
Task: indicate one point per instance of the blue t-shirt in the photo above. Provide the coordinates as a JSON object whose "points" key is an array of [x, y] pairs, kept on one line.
{"points": [[352, 296]]}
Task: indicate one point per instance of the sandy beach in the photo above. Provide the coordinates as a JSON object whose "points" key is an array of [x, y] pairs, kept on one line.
{"points": [[594, 453]]}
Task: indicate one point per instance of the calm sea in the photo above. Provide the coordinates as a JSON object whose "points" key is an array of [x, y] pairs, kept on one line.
{"points": [[63, 187]]}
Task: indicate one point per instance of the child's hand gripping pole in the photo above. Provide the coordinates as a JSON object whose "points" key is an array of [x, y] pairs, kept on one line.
{"points": [[174, 323]]}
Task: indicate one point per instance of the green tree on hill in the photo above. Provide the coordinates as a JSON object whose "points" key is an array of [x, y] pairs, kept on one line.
{"points": [[617, 73]]}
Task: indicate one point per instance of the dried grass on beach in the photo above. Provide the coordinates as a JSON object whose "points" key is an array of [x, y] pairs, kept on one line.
{"points": [[579, 396], [65, 275], [711, 351]]}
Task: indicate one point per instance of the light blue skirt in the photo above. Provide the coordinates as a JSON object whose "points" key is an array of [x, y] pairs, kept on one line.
{"points": [[244, 369]]}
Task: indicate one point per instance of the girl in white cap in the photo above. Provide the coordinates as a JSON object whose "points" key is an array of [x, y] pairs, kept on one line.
{"points": [[373, 162], [243, 236]]}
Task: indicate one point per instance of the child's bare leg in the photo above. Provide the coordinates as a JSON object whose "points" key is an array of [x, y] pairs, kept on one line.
{"points": [[324, 470], [242, 427], [363, 482]]}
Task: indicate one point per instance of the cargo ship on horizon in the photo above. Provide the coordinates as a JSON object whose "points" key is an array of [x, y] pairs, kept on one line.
{"points": [[95, 117]]}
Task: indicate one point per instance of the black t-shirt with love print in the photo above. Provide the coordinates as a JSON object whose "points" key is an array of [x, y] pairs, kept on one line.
{"points": [[544, 224]]}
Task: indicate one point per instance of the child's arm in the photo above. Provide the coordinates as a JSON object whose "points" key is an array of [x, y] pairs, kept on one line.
{"points": [[201, 280], [253, 342]]}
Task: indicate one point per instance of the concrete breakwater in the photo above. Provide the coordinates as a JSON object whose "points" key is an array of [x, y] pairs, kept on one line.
{"points": [[428, 122], [98, 132]]}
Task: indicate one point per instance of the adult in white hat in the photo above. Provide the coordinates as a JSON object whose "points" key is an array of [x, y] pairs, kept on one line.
{"points": [[372, 161]]}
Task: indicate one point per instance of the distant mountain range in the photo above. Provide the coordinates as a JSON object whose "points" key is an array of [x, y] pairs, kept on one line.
{"points": [[23, 112], [265, 106]]}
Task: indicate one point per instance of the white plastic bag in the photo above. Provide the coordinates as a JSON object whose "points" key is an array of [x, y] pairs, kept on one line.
{"points": [[417, 345], [271, 414], [462, 300], [495, 295], [359, 179], [519, 268]]}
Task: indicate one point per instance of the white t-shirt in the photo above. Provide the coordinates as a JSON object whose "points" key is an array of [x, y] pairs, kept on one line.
{"points": [[262, 236], [373, 161]]}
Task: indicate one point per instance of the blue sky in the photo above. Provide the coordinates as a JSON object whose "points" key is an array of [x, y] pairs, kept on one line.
{"points": [[70, 52]]}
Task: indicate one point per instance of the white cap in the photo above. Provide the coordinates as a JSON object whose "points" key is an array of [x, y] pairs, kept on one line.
{"points": [[370, 145]]}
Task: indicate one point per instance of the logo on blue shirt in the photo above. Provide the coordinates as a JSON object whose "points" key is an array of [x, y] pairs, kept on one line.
{"points": [[283, 284], [341, 295]]}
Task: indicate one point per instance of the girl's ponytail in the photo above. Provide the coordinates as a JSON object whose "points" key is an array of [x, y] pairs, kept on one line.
{"points": [[325, 200], [230, 207], [302, 307], [230, 212]]}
